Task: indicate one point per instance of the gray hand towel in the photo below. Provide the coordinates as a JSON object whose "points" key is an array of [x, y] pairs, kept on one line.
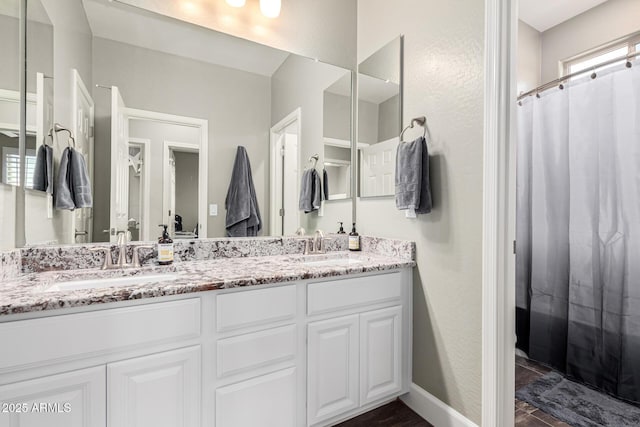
{"points": [[73, 189], [81, 186], [317, 190], [243, 214], [305, 202], [43, 171], [325, 184], [413, 188]]}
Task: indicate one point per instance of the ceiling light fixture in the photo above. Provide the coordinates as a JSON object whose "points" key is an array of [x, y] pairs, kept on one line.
{"points": [[236, 3], [270, 8]]}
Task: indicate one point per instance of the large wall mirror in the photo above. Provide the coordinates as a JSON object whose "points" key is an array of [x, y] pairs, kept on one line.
{"points": [[157, 109], [379, 119]]}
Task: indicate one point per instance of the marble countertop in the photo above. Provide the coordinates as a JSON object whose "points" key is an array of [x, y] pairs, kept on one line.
{"points": [[31, 293]]}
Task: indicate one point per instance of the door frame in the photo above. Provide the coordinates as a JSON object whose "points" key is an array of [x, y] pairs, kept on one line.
{"points": [[203, 158], [498, 223], [274, 152], [145, 188], [168, 146], [78, 90]]}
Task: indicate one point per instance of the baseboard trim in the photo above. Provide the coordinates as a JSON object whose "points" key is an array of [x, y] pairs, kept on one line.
{"points": [[433, 409]]}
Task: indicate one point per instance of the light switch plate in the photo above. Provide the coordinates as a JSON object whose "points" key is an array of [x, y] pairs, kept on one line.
{"points": [[213, 209]]}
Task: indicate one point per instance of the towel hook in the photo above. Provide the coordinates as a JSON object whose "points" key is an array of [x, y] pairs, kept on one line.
{"points": [[57, 127], [316, 158], [422, 121]]}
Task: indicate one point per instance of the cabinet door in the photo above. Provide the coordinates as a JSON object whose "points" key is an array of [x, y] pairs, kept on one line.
{"points": [[266, 401], [380, 362], [73, 399], [161, 390], [332, 380]]}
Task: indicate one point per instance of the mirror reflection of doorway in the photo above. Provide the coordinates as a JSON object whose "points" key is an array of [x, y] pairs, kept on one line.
{"points": [[181, 189], [285, 140]]}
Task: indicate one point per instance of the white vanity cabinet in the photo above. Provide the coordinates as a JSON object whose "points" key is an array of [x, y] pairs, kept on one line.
{"points": [[307, 353], [160, 390], [72, 399], [257, 364], [359, 359]]}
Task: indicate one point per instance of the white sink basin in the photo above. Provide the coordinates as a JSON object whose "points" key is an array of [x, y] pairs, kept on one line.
{"points": [[109, 282], [335, 262]]}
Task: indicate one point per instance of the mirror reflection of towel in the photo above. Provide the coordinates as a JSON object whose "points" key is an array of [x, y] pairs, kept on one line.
{"points": [[43, 171], [243, 214], [325, 184], [73, 188], [310, 191]]}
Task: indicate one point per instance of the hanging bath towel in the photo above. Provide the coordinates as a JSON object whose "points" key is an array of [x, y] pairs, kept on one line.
{"points": [[243, 214], [43, 171], [73, 189], [413, 188]]}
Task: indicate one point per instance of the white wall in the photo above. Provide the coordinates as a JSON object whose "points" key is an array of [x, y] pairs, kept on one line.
{"points": [[604, 23], [529, 57], [235, 103], [444, 78], [7, 216], [316, 29]]}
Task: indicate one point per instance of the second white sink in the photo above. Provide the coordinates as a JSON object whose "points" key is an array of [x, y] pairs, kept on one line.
{"points": [[107, 282]]}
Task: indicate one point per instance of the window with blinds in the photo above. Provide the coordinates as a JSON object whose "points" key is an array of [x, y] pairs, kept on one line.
{"points": [[11, 166], [592, 59]]}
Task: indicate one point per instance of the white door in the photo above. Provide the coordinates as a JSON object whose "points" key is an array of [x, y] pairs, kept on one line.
{"points": [[285, 179], [291, 180], [119, 165], [380, 364], [265, 401], [73, 399], [378, 168], [161, 390], [83, 117], [332, 381]]}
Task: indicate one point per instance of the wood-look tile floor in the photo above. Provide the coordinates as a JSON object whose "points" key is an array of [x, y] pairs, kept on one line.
{"points": [[397, 414], [394, 414], [528, 371]]}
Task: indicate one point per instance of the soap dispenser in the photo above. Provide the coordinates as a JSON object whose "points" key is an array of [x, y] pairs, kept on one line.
{"points": [[341, 231], [354, 239], [165, 247]]}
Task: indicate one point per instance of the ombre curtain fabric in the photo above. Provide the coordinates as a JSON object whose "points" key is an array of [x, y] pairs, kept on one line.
{"points": [[578, 230]]}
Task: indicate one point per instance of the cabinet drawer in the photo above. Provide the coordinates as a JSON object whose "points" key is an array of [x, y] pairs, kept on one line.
{"points": [[256, 307], [266, 401], [257, 349], [348, 293], [72, 336]]}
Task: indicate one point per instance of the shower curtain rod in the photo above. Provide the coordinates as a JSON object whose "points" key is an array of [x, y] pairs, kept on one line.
{"points": [[562, 79]]}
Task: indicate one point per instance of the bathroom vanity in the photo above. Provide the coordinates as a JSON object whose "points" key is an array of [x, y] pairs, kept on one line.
{"points": [[279, 340]]}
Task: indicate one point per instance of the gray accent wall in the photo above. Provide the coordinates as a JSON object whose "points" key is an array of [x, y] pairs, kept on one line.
{"points": [[444, 81], [235, 103]]}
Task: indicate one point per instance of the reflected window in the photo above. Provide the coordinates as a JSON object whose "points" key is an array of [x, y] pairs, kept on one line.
{"points": [[11, 166]]}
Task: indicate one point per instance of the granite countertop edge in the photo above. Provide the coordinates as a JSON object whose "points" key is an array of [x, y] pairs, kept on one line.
{"points": [[28, 293]]}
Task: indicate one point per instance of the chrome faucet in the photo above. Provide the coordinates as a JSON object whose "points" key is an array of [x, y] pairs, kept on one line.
{"points": [[317, 245], [123, 240]]}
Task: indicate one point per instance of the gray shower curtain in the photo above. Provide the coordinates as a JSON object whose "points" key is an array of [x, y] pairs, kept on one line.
{"points": [[578, 230]]}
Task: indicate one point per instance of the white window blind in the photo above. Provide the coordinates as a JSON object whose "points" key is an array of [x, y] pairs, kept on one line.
{"points": [[11, 166]]}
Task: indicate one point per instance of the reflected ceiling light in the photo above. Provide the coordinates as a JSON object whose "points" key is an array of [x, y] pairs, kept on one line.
{"points": [[236, 3], [270, 8]]}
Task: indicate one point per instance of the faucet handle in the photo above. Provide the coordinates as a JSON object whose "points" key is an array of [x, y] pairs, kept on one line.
{"points": [[108, 261], [136, 254]]}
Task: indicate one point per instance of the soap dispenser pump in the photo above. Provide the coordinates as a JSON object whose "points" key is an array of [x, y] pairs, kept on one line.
{"points": [[341, 231], [354, 239], [165, 247]]}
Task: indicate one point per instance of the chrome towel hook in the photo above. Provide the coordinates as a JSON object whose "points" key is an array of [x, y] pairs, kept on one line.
{"points": [[422, 121]]}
